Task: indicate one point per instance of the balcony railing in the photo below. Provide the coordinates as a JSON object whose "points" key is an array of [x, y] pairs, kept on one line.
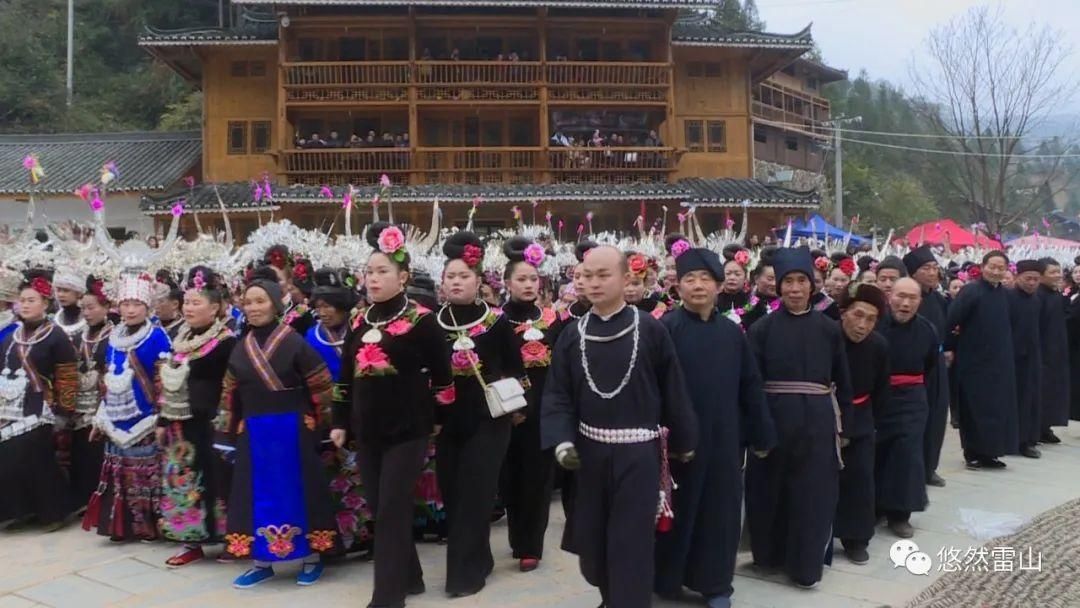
{"points": [[510, 165], [324, 83], [346, 82]]}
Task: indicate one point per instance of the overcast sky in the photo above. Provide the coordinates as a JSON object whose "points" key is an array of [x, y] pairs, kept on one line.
{"points": [[882, 36]]}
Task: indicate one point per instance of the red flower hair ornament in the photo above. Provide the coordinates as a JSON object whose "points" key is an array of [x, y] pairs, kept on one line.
{"points": [[472, 255], [42, 286]]}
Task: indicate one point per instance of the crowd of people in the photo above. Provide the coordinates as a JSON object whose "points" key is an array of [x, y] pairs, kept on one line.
{"points": [[371, 140], [295, 410]]}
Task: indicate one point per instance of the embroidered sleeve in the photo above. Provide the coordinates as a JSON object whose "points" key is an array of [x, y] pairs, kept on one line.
{"points": [[321, 386], [65, 386]]}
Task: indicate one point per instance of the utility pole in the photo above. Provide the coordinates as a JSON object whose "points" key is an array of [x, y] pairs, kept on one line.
{"points": [[70, 51], [836, 124]]}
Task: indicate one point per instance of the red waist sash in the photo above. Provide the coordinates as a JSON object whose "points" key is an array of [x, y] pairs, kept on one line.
{"points": [[896, 380], [861, 399]]}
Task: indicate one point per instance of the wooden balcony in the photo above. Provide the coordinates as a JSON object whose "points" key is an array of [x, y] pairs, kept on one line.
{"points": [[478, 81], [568, 82], [346, 82], [509, 165], [588, 81], [791, 108]]}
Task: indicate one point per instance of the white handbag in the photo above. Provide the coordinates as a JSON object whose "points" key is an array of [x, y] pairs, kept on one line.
{"points": [[504, 396]]}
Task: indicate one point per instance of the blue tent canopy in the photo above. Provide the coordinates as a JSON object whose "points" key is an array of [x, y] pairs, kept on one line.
{"points": [[817, 227]]}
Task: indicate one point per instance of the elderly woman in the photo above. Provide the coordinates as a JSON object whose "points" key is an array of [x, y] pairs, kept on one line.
{"points": [[192, 503], [277, 392], [37, 387]]}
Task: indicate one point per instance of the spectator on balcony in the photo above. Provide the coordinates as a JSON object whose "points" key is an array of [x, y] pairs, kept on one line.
{"points": [[370, 140], [405, 143], [426, 55], [316, 141], [399, 141], [387, 141], [653, 140], [455, 55], [355, 141], [334, 141]]}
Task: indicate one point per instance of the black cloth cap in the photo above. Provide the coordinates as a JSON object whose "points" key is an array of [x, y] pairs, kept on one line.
{"points": [[917, 258], [869, 294], [864, 263], [331, 288], [699, 258], [273, 290], [1030, 266], [894, 263], [787, 261]]}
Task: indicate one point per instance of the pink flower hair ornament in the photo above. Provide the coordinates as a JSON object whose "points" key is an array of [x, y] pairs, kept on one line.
{"points": [[392, 242], [534, 255], [679, 247]]}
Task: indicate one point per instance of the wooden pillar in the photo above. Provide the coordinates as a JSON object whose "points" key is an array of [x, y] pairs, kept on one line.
{"points": [[414, 119], [545, 127], [284, 132], [670, 113]]}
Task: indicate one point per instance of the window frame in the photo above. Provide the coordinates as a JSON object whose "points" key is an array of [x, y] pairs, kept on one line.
{"points": [[230, 149], [699, 125], [720, 148], [255, 126]]}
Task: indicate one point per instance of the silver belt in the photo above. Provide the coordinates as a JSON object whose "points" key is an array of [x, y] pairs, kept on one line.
{"points": [[638, 435]]}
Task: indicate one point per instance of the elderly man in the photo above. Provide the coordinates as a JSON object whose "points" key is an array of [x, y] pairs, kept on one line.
{"points": [[1053, 334], [868, 360], [700, 551], [923, 267], [791, 493], [899, 471], [1024, 311], [978, 325], [615, 379]]}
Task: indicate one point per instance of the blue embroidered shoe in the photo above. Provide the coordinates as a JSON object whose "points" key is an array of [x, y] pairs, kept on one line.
{"points": [[253, 577], [309, 574]]}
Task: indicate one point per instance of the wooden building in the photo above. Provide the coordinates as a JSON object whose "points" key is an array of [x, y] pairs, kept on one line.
{"points": [[789, 113], [465, 100]]}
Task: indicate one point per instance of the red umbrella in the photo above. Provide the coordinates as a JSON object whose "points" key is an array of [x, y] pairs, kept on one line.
{"points": [[935, 233]]}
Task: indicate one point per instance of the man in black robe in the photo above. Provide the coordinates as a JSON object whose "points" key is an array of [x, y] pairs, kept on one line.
{"points": [[1025, 307], [978, 325], [791, 494], [899, 471], [889, 271], [923, 267], [1053, 336], [726, 392], [868, 360], [614, 381]]}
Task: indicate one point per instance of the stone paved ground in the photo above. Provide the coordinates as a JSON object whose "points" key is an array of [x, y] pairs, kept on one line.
{"points": [[72, 568]]}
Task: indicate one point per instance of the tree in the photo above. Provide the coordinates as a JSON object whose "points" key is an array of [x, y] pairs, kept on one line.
{"points": [[986, 87]]}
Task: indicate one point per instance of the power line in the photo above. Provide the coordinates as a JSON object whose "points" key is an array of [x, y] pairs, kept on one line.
{"points": [[805, 128], [956, 153]]}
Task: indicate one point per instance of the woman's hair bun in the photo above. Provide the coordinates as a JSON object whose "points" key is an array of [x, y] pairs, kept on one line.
{"points": [[454, 246], [373, 232], [514, 248], [582, 248]]}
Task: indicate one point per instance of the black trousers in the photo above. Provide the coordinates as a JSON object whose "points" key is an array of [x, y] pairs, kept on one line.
{"points": [[389, 474], [790, 504], [938, 397], [615, 520], [468, 470], [855, 513], [527, 479]]}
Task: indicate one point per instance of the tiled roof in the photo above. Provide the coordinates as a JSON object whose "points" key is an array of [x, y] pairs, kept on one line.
{"points": [[145, 160], [728, 192], [694, 28], [265, 34], [628, 4], [709, 192]]}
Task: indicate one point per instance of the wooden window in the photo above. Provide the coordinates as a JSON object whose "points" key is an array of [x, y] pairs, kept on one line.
{"points": [[792, 143], [714, 70], [695, 135], [812, 84], [717, 136], [257, 69], [695, 69], [260, 136], [760, 135], [237, 137], [238, 69]]}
